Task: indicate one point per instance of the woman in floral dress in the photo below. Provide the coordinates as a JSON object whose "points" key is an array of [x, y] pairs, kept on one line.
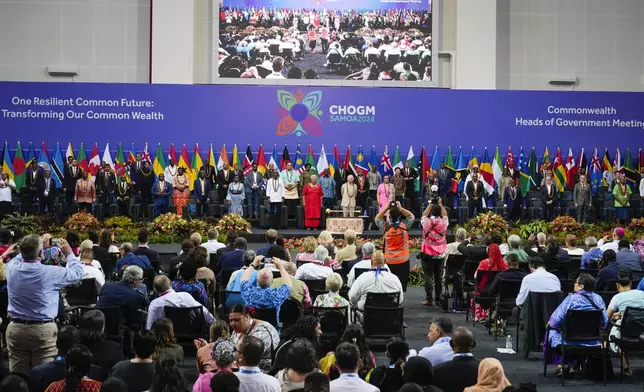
{"points": [[332, 299]]}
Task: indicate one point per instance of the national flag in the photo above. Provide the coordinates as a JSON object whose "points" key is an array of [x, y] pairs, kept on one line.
{"points": [[43, 157], [629, 169], [261, 160], [461, 171], [184, 163], [223, 158], [335, 160], [524, 174], [58, 166], [397, 161], [582, 163], [107, 156], [81, 159], [386, 167], [299, 160], [31, 156], [235, 157], [473, 160], [487, 175], [436, 160], [285, 159], [7, 162], [172, 154], [274, 159], [120, 165], [248, 160], [373, 160], [497, 168], [607, 170], [448, 161], [509, 160], [323, 163], [640, 162], [19, 168], [411, 158], [310, 159], [559, 171], [69, 152], [545, 161], [196, 164], [618, 166], [348, 164], [532, 166], [361, 165], [159, 164], [146, 154], [131, 157], [425, 168], [211, 157], [596, 174], [571, 168], [94, 163]]}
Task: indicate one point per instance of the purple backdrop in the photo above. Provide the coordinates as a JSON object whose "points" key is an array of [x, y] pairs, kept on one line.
{"points": [[331, 4], [324, 115]]}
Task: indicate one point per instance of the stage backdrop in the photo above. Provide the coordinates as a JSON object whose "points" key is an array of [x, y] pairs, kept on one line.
{"points": [[331, 4], [139, 113]]}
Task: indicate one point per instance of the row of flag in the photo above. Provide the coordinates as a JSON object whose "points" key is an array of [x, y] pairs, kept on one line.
{"points": [[600, 169]]}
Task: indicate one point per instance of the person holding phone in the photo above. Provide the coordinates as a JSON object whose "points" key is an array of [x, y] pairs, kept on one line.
{"points": [[261, 294]]}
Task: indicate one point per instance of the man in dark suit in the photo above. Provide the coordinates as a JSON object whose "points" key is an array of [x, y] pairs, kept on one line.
{"points": [[232, 259], [254, 189], [135, 170], [410, 174], [34, 172], [583, 198], [271, 239], [476, 252], [514, 202], [512, 273], [340, 177], [144, 250], [211, 174], [224, 177], [124, 192], [186, 247], [72, 174], [475, 194], [230, 239], [238, 172], [201, 193], [548, 196], [47, 192], [105, 187], [462, 371], [445, 176], [100, 254]]}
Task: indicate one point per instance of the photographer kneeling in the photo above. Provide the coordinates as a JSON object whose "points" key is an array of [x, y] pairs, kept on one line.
{"points": [[434, 223]]}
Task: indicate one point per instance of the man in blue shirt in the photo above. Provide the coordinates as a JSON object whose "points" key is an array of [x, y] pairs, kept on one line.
{"points": [[592, 255], [126, 294], [234, 284], [440, 335], [34, 292], [129, 258], [262, 295]]}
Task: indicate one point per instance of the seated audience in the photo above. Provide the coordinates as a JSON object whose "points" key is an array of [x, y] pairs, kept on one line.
{"points": [[261, 294], [627, 257], [490, 377], [126, 293], [105, 353], [169, 297], [571, 246], [368, 248], [608, 270], [440, 337], [243, 324], [419, 370], [326, 238], [348, 252], [205, 361], [618, 234], [332, 299], [107, 241], [234, 284], [308, 247], [617, 307], [271, 239], [90, 271], [196, 239], [188, 284], [474, 252], [551, 254], [347, 360], [224, 382], [14, 383], [459, 237], [199, 256], [128, 258], [250, 355], [593, 256], [352, 334], [494, 262], [138, 372], [538, 281], [100, 253], [143, 249], [78, 363], [462, 371], [223, 357], [232, 259], [299, 290], [514, 247], [167, 346], [88, 244], [512, 273], [389, 378], [300, 362], [583, 299], [316, 382], [305, 328], [168, 376], [73, 239], [231, 238], [377, 280], [212, 245], [317, 268], [186, 247]]}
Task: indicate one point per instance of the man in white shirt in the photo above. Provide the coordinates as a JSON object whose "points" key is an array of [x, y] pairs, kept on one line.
{"points": [[460, 236], [278, 65], [347, 359], [275, 193], [169, 297], [440, 335], [618, 234], [315, 270], [170, 171], [7, 185], [378, 280], [251, 378], [367, 252], [539, 281], [642, 186], [213, 245]]}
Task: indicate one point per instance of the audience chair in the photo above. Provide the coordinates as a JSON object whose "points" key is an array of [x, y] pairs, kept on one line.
{"points": [[316, 287], [631, 328], [189, 323], [534, 315], [267, 314], [480, 293], [114, 321], [83, 294], [359, 271], [505, 300], [290, 312], [333, 322]]}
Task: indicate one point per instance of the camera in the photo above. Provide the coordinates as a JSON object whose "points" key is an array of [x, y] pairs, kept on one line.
{"points": [[434, 198], [393, 204], [56, 242]]}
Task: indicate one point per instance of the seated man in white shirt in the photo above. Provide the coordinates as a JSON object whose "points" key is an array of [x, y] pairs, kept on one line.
{"points": [[251, 378], [377, 280], [460, 236], [277, 66], [440, 335], [213, 245], [169, 297], [347, 359], [367, 252], [538, 281], [316, 269]]}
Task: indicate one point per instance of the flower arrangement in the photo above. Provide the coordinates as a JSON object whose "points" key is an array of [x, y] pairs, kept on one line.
{"points": [[566, 225], [82, 221], [486, 223], [637, 226], [118, 222], [233, 222], [167, 222], [416, 276]]}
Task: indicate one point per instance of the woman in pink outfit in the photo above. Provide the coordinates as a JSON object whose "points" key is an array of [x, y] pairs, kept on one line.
{"points": [[386, 193]]}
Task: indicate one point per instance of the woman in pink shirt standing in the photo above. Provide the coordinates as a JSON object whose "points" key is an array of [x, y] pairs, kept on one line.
{"points": [[312, 38], [386, 193], [432, 253]]}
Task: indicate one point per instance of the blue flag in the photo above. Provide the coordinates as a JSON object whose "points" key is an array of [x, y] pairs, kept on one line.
{"points": [[386, 168], [43, 157], [31, 155], [361, 163], [596, 173], [373, 160], [57, 167], [436, 160], [275, 159], [461, 169], [299, 160], [524, 174]]}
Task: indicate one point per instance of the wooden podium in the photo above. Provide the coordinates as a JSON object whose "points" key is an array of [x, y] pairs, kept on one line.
{"points": [[339, 224]]}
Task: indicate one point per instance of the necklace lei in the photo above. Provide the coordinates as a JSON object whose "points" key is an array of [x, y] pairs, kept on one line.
{"points": [[175, 170], [349, 192], [289, 175], [276, 184], [146, 174], [623, 191], [513, 193]]}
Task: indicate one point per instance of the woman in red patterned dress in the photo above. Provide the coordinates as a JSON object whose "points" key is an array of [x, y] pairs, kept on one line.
{"points": [[312, 202]]}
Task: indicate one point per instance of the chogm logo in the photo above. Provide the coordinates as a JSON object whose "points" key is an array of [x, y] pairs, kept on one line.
{"points": [[352, 113], [299, 114]]}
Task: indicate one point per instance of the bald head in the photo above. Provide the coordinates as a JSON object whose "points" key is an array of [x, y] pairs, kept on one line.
{"points": [[265, 278], [462, 340], [161, 284], [378, 259]]}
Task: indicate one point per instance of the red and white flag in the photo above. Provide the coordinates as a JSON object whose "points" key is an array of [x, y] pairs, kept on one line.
{"points": [[571, 168], [94, 161]]}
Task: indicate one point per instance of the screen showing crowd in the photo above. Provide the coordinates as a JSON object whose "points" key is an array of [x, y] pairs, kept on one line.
{"points": [[325, 39]]}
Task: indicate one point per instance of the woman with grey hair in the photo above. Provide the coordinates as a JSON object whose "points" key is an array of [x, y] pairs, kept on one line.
{"points": [[514, 247], [459, 236], [234, 283], [332, 299]]}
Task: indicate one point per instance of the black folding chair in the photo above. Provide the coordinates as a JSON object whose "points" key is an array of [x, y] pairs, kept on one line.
{"points": [[378, 300], [567, 285], [480, 293], [290, 312], [267, 314], [631, 328], [109, 267], [148, 279], [505, 300], [316, 287], [333, 322], [359, 271], [590, 271], [83, 294], [383, 322], [189, 323]]}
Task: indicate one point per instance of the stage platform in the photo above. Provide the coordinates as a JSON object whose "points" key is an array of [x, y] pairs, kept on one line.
{"points": [[258, 234]]}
